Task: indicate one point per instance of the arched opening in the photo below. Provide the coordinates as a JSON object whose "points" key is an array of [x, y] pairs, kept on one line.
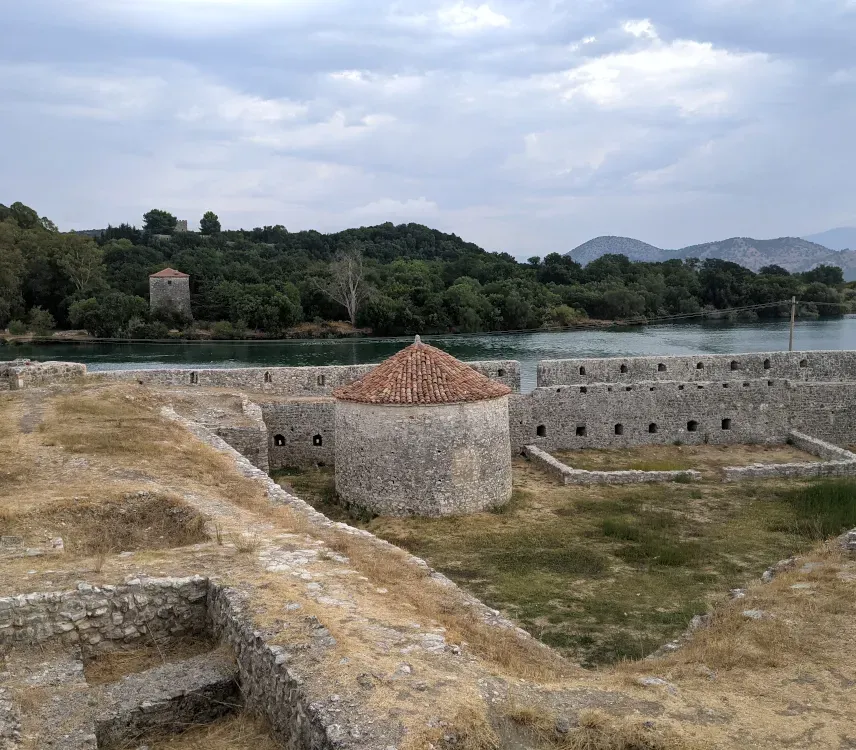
{"points": [[267, 377], [680, 387], [500, 373], [582, 370], [692, 426], [321, 380], [767, 364], [769, 382], [628, 388], [541, 431], [317, 441], [735, 365], [726, 424], [194, 378], [619, 429], [581, 430], [661, 367], [700, 366], [725, 385], [652, 428], [279, 440], [623, 368], [803, 363], [583, 389], [745, 385]]}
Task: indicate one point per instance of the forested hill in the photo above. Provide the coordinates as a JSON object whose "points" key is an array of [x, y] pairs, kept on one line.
{"points": [[402, 279]]}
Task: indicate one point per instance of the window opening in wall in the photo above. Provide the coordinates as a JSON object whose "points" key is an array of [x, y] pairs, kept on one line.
{"points": [[623, 368], [317, 441], [619, 429], [700, 366], [169, 282], [700, 387], [629, 388], [726, 424], [279, 440], [803, 363], [609, 388], [767, 364], [583, 389], [267, 377], [582, 370], [500, 373], [541, 431], [746, 385], [558, 390], [652, 428], [725, 385], [194, 377], [735, 365], [692, 426], [661, 367], [680, 387], [769, 382], [321, 380], [653, 389], [581, 430]]}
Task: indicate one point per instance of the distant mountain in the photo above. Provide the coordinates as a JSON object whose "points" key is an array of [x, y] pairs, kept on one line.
{"points": [[633, 249], [842, 238], [793, 253]]}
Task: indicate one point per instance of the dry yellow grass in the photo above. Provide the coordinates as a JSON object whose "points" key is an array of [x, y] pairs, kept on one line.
{"points": [[239, 732], [115, 665]]}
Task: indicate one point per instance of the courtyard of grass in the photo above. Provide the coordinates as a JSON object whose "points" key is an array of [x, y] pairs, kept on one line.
{"points": [[608, 573]]}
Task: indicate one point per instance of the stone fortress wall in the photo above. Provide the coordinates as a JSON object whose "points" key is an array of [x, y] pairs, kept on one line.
{"points": [[578, 403]]}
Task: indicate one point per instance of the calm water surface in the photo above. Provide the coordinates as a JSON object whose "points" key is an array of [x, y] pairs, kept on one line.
{"points": [[528, 348]]}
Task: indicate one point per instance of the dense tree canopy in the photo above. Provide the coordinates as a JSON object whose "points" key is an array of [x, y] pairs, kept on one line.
{"points": [[411, 279]]}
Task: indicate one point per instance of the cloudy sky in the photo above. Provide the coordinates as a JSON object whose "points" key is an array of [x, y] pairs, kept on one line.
{"points": [[527, 126]]}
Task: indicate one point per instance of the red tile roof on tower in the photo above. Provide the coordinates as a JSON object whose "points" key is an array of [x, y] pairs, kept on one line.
{"points": [[169, 273], [421, 374]]}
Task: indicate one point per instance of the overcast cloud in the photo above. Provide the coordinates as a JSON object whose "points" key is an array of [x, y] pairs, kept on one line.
{"points": [[527, 126]]}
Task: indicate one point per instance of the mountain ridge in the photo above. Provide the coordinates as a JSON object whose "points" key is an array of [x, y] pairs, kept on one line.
{"points": [[795, 254]]}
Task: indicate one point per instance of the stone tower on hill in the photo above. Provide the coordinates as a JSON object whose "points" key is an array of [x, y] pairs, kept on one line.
{"points": [[170, 290], [423, 434]]}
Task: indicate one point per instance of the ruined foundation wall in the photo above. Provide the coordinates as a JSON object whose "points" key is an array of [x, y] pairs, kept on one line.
{"points": [[102, 618], [24, 373]]}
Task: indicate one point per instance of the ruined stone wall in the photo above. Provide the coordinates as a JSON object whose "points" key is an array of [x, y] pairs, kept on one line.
{"points": [[24, 373], [290, 381], [423, 460], [300, 433], [170, 294], [102, 618], [567, 475], [252, 441]]}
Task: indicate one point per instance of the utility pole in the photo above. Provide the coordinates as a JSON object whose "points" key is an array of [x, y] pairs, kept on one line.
{"points": [[793, 317]]}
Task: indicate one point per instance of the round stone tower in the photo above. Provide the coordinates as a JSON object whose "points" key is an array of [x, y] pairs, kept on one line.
{"points": [[423, 434]]}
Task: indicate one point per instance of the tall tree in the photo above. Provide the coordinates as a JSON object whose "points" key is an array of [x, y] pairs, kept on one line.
{"points": [[157, 221], [348, 284], [210, 223], [81, 260]]}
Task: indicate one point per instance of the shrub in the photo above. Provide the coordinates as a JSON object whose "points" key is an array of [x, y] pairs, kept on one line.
{"points": [[41, 321], [223, 329], [17, 328]]}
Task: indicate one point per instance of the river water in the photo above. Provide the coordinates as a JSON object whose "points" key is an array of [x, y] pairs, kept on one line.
{"points": [[683, 338]]}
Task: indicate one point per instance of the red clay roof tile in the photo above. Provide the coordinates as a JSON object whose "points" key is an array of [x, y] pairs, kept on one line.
{"points": [[169, 273], [421, 375]]}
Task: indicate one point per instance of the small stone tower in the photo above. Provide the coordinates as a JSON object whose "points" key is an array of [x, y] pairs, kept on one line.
{"points": [[170, 290], [423, 434]]}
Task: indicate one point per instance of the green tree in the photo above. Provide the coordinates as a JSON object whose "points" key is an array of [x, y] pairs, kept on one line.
{"points": [[210, 223], [26, 217], [81, 260], [157, 221], [41, 321]]}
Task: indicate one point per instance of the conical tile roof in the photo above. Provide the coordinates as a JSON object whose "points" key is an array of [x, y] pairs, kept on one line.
{"points": [[421, 375]]}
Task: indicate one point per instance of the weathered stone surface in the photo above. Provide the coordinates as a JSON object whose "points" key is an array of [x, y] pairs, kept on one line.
{"points": [[168, 698], [567, 475], [436, 460]]}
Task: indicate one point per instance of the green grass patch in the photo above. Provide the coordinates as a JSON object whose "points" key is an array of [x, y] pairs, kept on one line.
{"points": [[821, 509]]}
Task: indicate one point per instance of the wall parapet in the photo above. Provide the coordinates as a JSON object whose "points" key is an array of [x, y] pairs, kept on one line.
{"points": [[290, 381], [567, 475], [18, 374], [807, 366]]}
